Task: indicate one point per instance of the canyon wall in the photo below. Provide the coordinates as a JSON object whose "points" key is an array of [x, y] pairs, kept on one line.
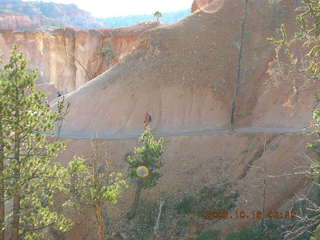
{"points": [[216, 92], [68, 58]]}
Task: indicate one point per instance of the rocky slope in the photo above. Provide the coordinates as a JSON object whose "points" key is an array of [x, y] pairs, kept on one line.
{"points": [[215, 90], [192, 162], [68, 58], [191, 79]]}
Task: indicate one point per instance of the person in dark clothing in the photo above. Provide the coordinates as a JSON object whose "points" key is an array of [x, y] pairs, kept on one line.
{"points": [[147, 119]]}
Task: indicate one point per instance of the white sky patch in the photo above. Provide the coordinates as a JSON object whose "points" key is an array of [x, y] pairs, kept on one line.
{"points": [[110, 8]]}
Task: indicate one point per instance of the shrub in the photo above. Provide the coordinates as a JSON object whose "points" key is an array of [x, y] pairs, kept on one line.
{"points": [[216, 197], [271, 230], [209, 235], [186, 206]]}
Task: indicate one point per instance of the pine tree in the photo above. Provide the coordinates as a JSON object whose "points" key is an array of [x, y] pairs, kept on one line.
{"points": [[157, 15], [92, 186], [2, 144], [147, 158], [28, 178]]}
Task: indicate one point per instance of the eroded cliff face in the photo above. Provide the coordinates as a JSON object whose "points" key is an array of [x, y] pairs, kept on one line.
{"points": [[68, 58], [17, 22], [203, 74]]}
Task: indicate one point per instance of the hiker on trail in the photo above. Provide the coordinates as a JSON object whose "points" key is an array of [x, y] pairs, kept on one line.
{"points": [[147, 119], [58, 94], [47, 104]]}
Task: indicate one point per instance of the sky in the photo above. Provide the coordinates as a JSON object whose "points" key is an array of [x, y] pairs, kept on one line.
{"points": [[110, 8]]}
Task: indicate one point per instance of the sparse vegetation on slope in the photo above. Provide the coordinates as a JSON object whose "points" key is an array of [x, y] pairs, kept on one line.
{"points": [[307, 37]]}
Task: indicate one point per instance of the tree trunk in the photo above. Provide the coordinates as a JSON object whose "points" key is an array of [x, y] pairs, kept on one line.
{"points": [[16, 197], [136, 201], [156, 226], [100, 222], [98, 205], [16, 217], [2, 203]]}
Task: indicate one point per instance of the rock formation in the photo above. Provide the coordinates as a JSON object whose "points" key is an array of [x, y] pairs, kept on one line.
{"points": [[68, 58], [216, 92], [17, 22], [202, 74], [203, 4]]}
